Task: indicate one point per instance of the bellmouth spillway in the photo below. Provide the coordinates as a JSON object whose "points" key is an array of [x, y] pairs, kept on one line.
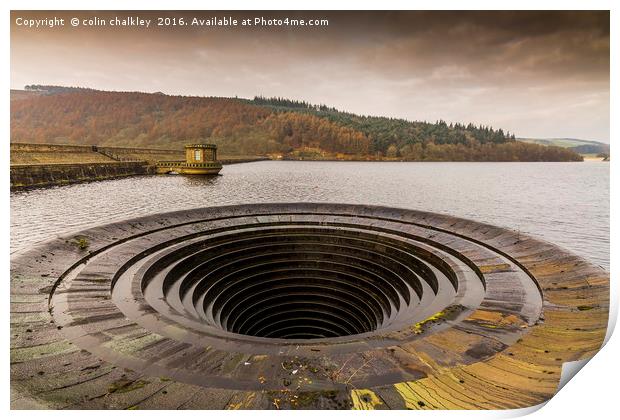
{"points": [[299, 305]]}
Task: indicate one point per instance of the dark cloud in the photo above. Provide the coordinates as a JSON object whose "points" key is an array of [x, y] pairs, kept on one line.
{"points": [[535, 73]]}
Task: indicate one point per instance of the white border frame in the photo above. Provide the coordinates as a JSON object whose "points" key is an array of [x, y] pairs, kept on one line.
{"points": [[591, 395]]}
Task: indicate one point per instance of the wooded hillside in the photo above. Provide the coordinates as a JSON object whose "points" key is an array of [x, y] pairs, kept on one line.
{"points": [[261, 126]]}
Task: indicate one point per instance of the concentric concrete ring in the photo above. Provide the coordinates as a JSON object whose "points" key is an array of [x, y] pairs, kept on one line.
{"points": [[299, 306]]}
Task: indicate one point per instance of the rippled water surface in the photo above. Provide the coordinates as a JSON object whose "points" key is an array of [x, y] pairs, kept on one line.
{"points": [[565, 203]]}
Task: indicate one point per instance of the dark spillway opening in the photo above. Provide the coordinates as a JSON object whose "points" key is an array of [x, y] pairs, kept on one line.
{"points": [[302, 302], [297, 282]]}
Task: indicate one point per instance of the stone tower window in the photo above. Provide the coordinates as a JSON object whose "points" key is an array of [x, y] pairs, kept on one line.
{"points": [[197, 155]]}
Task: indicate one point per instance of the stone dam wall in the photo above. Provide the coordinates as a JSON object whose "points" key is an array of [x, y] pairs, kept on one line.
{"points": [[33, 153], [42, 175], [30, 154]]}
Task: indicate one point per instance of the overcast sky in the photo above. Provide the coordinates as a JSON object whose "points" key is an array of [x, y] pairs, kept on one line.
{"points": [[537, 74]]}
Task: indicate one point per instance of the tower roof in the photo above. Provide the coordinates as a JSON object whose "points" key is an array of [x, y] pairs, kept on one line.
{"points": [[201, 146]]}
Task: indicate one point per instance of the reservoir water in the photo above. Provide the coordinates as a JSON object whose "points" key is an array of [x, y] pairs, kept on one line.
{"points": [[564, 203]]}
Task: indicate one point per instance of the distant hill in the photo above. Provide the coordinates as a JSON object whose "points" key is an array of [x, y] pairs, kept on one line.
{"points": [[261, 126], [585, 147]]}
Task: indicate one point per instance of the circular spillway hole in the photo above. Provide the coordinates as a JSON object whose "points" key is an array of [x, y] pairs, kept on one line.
{"points": [[297, 282], [219, 297]]}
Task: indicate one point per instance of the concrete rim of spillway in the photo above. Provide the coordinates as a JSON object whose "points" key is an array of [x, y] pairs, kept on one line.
{"points": [[299, 305]]}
